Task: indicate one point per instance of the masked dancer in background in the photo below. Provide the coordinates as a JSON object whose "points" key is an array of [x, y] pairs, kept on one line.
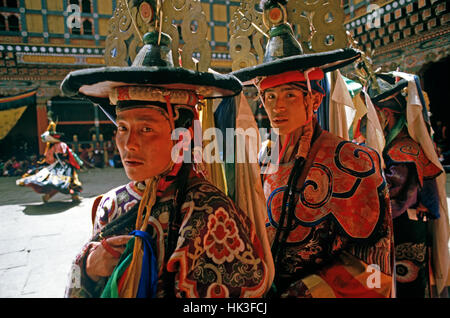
{"points": [[60, 173]]}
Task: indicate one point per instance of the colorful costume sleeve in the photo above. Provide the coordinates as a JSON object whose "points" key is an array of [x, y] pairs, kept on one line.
{"points": [[403, 187], [111, 207], [218, 253], [59, 148]]}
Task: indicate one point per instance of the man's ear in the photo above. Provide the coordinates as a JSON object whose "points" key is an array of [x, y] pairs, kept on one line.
{"points": [[317, 100], [314, 99]]}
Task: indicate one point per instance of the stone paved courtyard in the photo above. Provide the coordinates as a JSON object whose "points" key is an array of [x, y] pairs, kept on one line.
{"points": [[38, 242]]}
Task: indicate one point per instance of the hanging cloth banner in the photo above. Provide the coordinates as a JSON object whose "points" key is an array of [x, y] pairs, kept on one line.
{"points": [[12, 108]]}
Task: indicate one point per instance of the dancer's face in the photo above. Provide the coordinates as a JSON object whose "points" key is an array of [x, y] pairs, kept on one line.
{"points": [[289, 107], [144, 142], [386, 118], [387, 114]]}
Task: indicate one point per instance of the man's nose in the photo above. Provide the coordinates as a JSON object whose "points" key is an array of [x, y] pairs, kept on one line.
{"points": [[131, 143], [280, 106]]}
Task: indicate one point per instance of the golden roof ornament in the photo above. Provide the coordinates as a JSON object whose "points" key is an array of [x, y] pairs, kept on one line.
{"points": [[364, 67], [134, 18], [318, 25]]}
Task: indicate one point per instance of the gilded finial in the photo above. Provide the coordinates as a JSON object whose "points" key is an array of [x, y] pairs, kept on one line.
{"points": [[275, 12], [364, 68]]}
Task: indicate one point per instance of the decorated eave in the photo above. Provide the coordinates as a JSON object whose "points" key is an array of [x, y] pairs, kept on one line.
{"points": [[405, 33], [36, 54], [196, 32], [44, 62], [15, 57]]}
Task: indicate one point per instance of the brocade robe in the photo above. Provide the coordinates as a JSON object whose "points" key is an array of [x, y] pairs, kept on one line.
{"points": [[217, 252], [340, 243]]}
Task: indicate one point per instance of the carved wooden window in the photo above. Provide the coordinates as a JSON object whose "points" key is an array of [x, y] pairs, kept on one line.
{"points": [[12, 4], [2, 23], [87, 27], [86, 6], [13, 23]]}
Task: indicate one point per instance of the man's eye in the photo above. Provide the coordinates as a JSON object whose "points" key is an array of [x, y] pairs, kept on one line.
{"points": [[121, 128], [270, 96], [147, 129]]}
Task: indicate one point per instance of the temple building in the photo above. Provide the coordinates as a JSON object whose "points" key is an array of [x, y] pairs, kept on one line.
{"points": [[411, 36], [42, 40]]}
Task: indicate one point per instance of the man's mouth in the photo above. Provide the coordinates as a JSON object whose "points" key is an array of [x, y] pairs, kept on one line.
{"points": [[133, 162], [280, 120]]}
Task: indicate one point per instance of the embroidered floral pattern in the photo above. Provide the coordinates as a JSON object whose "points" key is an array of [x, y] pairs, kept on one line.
{"points": [[222, 241], [217, 252], [106, 207], [411, 251], [122, 197]]}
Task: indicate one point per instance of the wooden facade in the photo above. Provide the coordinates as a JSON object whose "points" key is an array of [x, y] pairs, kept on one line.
{"points": [[404, 34], [40, 41]]}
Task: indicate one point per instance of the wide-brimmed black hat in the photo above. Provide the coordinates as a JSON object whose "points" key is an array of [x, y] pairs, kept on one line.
{"points": [[388, 85], [284, 53], [153, 66]]}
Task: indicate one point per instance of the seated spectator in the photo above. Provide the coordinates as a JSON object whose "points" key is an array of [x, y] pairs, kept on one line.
{"points": [[85, 154], [8, 169], [98, 156], [110, 148]]}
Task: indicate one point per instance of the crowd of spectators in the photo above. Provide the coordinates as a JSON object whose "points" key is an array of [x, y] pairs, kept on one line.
{"points": [[99, 156], [14, 167], [93, 156]]}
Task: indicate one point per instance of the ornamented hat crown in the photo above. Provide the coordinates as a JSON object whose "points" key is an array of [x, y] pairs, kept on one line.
{"points": [[284, 53]]}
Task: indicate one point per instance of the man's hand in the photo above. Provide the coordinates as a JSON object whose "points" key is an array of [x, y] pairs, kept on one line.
{"points": [[101, 262]]}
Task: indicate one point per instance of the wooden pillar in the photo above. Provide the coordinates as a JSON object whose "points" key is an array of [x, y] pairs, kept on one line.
{"points": [[42, 122], [43, 104]]}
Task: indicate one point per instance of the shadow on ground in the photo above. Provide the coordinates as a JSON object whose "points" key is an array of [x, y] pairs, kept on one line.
{"points": [[48, 208]]}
